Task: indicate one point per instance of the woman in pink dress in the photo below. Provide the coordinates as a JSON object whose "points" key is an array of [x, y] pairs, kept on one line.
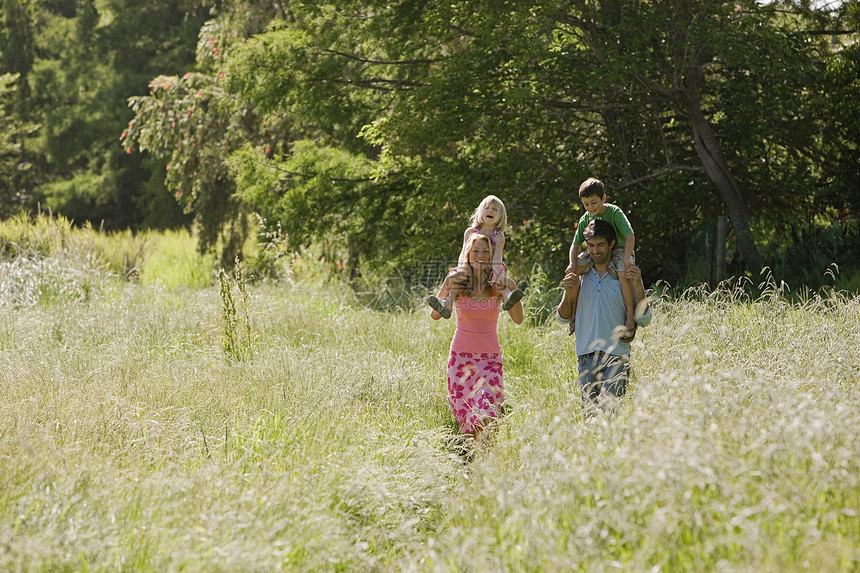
{"points": [[475, 387]]}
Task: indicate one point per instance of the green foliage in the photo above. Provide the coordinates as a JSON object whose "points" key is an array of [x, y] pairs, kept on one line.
{"points": [[373, 129], [86, 58], [190, 124], [46, 261], [17, 42], [838, 153], [42, 235], [385, 287], [312, 192], [166, 258], [815, 253], [47, 280], [510, 107], [542, 298], [15, 161], [193, 126]]}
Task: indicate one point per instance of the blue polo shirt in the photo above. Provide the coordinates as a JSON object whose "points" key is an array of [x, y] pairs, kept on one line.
{"points": [[599, 311]]}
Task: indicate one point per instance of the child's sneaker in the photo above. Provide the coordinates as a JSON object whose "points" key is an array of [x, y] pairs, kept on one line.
{"points": [[512, 299], [583, 264], [438, 305]]}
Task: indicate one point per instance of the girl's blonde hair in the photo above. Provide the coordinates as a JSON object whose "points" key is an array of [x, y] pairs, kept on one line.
{"points": [[478, 216], [464, 266]]}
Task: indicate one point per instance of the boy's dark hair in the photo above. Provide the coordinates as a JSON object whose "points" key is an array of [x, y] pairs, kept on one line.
{"points": [[591, 187], [598, 228]]}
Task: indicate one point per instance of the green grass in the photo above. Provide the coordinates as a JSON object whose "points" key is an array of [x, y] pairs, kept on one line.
{"points": [[46, 259], [173, 261], [129, 441]]}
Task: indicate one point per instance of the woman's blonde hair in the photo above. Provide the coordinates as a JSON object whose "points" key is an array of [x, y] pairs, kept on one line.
{"points": [[464, 266], [478, 216]]}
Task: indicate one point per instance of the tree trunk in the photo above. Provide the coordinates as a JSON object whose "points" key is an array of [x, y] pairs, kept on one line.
{"points": [[715, 164], [682, 70]]}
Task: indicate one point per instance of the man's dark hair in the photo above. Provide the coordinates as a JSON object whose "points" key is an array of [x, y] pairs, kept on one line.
{"points": [[592, 187], [598, 228]]}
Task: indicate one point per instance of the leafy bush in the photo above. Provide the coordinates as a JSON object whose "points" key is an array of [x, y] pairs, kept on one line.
{"points": [[816, 253]]}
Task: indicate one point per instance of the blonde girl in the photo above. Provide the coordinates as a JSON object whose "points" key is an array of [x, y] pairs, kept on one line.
{"points": [[488, 220]]}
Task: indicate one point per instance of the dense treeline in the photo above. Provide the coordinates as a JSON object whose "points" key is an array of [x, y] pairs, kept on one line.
{"points": [[71, 66], [372, 129]]}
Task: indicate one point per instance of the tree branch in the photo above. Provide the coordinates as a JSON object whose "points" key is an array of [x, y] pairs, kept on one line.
{"points": [[299, 175], [356, 58], [823, 33], [561, 104], [379, 84], [654, 175]]}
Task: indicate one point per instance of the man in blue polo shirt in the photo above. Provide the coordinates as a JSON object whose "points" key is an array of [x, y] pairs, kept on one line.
{"points": [[603, 358]]}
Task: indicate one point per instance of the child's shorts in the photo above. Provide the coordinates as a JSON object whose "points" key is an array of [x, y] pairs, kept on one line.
{"points": [[616, 265]]}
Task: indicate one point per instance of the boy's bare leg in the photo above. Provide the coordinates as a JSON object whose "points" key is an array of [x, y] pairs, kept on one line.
{"points": [[629, 302], [574, 300]]}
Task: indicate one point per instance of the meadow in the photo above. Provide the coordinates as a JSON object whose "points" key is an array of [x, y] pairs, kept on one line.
{"points": [[134, 436]]}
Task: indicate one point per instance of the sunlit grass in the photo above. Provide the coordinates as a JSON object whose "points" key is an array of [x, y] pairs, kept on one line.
{"points": [[46, 260], [174, 261], [129, 441]]}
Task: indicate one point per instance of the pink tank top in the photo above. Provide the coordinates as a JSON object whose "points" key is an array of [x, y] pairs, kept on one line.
{"points": [[476, 325]]}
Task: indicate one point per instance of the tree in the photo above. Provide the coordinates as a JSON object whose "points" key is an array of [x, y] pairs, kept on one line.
{"points": [[321, 183], [14, 162], [397, 118], [188, 123], [83, 59], [192, 125], [17, 43], [458, 79]]}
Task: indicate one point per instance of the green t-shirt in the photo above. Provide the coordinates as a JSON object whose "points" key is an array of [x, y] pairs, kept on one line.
{"points": [[614, 215]]}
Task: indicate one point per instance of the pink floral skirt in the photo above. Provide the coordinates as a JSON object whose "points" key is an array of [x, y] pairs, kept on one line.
{"points": [[475, 387]]}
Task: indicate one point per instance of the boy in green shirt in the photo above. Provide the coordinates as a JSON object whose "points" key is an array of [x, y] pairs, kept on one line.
{"points": [[593, 196]]}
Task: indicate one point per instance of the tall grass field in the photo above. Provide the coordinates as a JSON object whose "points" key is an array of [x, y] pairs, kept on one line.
{"points": [[133, 437]]}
